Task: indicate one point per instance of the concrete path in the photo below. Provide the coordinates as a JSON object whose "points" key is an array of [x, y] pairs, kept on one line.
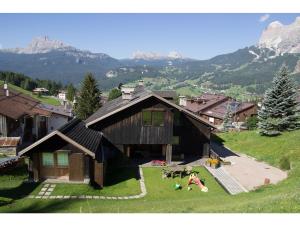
{"points": [[228, 182], [252, 173], [47, 189]]}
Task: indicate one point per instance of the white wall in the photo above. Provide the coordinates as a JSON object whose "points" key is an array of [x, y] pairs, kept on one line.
{"points": [[55, 121]]}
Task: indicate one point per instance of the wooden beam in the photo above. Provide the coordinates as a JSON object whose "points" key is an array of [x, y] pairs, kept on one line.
{"points": [[169, 153]]}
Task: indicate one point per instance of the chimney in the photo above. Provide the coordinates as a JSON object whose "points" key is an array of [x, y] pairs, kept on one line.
{"points": [[182, 101], [127, 92], [6, 89], [141, 82]]}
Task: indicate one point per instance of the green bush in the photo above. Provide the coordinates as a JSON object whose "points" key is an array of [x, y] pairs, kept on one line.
{"points": [[251, 122], [284, 163]]}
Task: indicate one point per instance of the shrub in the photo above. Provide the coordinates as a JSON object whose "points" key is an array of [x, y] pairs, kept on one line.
{"points": [[284, 163], [251, 122]]}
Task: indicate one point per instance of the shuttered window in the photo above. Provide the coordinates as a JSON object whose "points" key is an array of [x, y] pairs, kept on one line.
{"points": [[62, 159], [48, 159]]}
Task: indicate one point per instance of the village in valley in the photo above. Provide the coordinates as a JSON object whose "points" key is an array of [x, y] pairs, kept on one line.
{"points": [[129, 147]]}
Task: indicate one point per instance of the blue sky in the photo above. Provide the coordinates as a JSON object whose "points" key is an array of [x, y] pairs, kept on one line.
{"points": [[199, 36]]}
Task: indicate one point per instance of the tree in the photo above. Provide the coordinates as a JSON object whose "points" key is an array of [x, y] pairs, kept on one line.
{"points": [[114, 93], [251, 122], [279, 107], [89, 98], [227, 122], [70, 92]]}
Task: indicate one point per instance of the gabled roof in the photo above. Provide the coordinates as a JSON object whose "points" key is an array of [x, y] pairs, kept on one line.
{"points": [[117, 105], [219, 111], [60, 110], [75, 133], [18, 104], [204, 102]]}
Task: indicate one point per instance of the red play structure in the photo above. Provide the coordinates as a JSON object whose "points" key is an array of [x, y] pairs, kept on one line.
{"points": [[193, 179]]}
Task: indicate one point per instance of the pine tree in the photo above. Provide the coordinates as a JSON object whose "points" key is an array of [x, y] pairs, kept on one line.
{"points": [[71, 92], [279, 107], [89, 98], [227, 122]]}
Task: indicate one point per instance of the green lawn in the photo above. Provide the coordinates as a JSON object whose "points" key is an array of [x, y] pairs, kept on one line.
{"points": [[119, 183], [161, 196], [43, 99]]}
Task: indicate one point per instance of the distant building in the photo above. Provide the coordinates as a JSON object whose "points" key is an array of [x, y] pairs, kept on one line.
{"points": [[40, 90], [62, 95], [213, 107]]}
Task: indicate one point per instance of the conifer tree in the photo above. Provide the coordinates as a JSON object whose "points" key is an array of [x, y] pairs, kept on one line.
{"points": [[279, 107], [227, 122], [71, 92], [89, 98]]}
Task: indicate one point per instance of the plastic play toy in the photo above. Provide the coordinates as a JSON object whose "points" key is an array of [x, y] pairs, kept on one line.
{"points": [[177, 186], [193, 179]]}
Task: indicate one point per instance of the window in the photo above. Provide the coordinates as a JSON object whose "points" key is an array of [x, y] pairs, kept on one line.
{"points": [[158, 118], [147, 118], [153, 118], [62, 159], [48, 159], [210, 119]]}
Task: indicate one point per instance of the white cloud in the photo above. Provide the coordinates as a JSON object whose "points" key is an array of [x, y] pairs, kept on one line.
{"points": [[263, 18], [0, 46]]}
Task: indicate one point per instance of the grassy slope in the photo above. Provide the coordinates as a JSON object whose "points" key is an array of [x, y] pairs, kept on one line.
{"points": [[161, 197], [43, 99]]}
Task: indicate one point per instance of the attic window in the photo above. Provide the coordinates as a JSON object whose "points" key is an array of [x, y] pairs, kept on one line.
{"points": [[153, 118]]}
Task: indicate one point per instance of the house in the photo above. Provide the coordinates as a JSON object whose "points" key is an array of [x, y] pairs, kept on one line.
{"points": [[158, 128], [20, 116], [73, 153], [213, 107], [140, 124], [24, 117], [41, 90], [59, 115], [62, 95]]}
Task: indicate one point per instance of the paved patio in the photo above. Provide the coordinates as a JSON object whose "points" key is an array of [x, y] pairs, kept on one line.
{"points": [[252, 173]]}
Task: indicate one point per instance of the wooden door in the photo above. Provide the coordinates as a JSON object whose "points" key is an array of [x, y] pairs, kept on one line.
{"points": [[76, 167]]}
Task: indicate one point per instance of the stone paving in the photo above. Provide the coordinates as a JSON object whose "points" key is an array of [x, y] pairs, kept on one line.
{"points": [[47, 189], [226, 180]]}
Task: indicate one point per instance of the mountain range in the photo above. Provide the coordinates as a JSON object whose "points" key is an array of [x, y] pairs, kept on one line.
{"points": [[252, 67]]}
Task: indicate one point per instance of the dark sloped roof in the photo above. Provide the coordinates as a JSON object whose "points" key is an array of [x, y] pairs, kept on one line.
{"points": [[116, 104], [120, 104], [75, 133], [169, 94], [78, 132]]}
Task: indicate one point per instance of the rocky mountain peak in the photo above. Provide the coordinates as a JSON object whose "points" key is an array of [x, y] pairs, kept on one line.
{"points": [[41, 45], [281, 38], [139, 55]]}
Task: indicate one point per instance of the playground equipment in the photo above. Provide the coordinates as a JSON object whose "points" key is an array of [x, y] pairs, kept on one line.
{"points": [[193, 179]]}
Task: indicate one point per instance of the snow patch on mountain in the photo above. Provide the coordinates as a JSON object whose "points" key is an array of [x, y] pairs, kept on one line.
{"points": [[255, 54]]}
